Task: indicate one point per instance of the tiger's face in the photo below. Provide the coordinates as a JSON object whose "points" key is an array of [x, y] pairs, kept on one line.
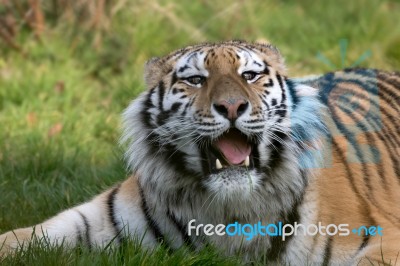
{"points": [[218, 114]]}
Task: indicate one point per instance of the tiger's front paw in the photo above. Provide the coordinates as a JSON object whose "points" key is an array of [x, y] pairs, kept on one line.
{"points": [[12, 240]]}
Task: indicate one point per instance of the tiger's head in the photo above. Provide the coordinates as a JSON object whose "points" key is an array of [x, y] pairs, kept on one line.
{"points": [[222, 118]]}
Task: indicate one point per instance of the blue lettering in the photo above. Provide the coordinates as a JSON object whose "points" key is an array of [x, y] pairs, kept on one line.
{"points": [[235, 226]]}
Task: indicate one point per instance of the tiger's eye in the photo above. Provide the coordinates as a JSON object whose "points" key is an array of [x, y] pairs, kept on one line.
{"points": [[249, 75], [195, 80]]}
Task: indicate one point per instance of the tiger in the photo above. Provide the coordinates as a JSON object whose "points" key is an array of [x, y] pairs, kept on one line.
{"points": [[222, 136]]}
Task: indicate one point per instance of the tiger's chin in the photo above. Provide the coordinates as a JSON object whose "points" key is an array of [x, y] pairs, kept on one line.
{"points": [[232, 184], [229, 164]]}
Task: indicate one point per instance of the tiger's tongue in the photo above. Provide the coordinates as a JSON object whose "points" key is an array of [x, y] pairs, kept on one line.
{"points": [[234, 147]]}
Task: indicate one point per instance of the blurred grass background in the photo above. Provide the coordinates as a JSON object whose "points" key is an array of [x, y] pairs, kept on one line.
{"points": [[69, 68]]}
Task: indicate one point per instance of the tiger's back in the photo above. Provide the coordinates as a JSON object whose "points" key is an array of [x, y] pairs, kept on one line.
{"points": [[359, 182]]}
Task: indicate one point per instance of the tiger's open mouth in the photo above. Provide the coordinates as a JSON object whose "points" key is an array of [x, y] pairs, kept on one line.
{"points": [[231, 149]]}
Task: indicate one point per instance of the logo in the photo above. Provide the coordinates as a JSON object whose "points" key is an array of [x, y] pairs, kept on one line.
{"points": [[249, 231]]}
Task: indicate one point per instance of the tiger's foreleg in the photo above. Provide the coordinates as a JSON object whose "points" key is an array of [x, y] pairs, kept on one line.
{"points": [[106, 219]]}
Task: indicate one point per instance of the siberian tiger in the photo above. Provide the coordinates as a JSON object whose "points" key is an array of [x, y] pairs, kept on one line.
{"points": [[223, 136]]}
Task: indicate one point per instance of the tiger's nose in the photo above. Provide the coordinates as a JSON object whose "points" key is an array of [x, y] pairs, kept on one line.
{"points": [[232, 108]]}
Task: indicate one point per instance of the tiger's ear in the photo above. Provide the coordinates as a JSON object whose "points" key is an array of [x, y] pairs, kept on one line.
{"points": [[154, 70]]}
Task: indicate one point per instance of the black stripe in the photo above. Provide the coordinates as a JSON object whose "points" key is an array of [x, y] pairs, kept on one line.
{"points": [[165, 115], [147, 104], [208, 124], [161, 91], [364, 208], [206, 59], [275, 159], [79, 239], [381, 110], [255, 127], [269, 114], [328, 251], [175, 107], [246, 60], [202, 130], [255, 121], [266, 69], [390, 77], [278, 246], [375, 121], [174, 79], [386, 138], [377, 125], [364, 127], [281, 111], [181, 69], [283, 92], [352, 140], [386, 82], [279, 77], [155, 230], [276, 148], [111, 212], [385, 94], [205, 163], [193, 54], [377, 87], [176, 159], [327, 85], [292, 91], [256, 63], [87, 230], [185, 109], [364, 242], [182, 228], [269, 84], [192, 100]]}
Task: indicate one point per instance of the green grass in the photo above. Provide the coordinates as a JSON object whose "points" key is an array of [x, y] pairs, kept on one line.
{"points": [[60, 102], [129, 253]]}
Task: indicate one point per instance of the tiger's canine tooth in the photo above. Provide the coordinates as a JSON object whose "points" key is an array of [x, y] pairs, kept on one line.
{"points": [[247, 161], [218, 164]]}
